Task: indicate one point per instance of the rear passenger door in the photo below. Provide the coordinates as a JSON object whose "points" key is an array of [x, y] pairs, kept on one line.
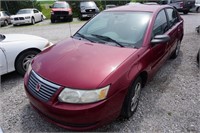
{"points": [[158, 51], [37, 15], [174, 29]]}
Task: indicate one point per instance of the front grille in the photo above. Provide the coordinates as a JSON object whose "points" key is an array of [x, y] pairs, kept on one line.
{"points": [[90, 10], [41, 88], [19, 18], [61, 13]]}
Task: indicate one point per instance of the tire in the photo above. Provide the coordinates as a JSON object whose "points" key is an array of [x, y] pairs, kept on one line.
{"points": [[132, 99], [197, 9], [198, 57], [70, 19], [176, 51], [5, 23], [32, 21], [185, 12], [24, 60], [42, 18], [52, 20]]}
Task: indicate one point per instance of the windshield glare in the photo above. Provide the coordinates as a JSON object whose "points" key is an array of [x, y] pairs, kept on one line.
{"points": [[127, 28], [60, 5], [88, 4], [24, 11]]}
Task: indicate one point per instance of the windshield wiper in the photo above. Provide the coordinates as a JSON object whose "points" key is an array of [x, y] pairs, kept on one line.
{"points": [[108, 39], [84, 37]]}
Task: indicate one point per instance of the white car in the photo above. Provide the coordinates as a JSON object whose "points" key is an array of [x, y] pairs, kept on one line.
{"points": [[27, 16], [18, 50]]}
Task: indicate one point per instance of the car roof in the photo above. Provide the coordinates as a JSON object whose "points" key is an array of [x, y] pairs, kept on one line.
{"points": [[60, 2], [139, 7]]}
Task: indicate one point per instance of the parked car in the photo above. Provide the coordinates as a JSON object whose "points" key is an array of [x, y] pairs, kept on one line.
{"points": [[17, 51], [96, 75], [181, 5], [61, 11], [88, 9], [4, 18], [27, 16], [197, 4], [110, 6]]}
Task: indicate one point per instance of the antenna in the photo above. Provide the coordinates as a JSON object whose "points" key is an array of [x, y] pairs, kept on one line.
{"points": [[70, 29]]}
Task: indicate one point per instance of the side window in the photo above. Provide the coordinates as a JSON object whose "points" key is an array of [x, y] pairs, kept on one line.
{"points": [[172, 16], [160, 25], [35, 11]]}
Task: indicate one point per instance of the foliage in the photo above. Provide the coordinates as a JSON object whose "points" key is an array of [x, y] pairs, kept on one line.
{"points": [[13, 6]]}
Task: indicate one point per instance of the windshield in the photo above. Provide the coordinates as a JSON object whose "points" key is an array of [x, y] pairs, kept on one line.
{"points": [[124, 28], [88, 4], [60, 5], [24, 11]]}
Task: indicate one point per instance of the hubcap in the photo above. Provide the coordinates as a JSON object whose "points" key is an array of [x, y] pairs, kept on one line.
{"points": [[27, 60], [136, 96]]}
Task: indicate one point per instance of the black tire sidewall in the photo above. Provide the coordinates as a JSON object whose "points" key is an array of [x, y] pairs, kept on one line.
{"points": [[126, 109], [19, 61]]}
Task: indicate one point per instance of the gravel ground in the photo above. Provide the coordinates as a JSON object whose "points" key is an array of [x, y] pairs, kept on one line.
{"points": [[170, 102]]}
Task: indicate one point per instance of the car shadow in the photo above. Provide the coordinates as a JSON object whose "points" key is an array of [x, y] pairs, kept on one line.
{"points": [[10, 80], [32, 121]]}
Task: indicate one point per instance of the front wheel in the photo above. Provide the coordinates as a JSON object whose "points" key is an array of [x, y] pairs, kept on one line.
{"points": [[185, 12], [24, 60], [32, 21], [132, 98], [53, 20]]}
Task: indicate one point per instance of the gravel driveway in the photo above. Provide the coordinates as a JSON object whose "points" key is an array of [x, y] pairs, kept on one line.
{"points": [[170, 102]]}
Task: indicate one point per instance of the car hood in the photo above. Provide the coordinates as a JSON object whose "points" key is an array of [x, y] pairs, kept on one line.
{"points": [[20, 37], [60, 9], [79, 64]]}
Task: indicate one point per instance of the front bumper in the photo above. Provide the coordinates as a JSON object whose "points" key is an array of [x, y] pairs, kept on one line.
{"points": [[61, 17], [18, 22], [77, 117], [88, 15]]}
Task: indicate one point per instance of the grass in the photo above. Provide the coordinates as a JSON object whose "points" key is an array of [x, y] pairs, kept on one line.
{"points": [[45, 8]]}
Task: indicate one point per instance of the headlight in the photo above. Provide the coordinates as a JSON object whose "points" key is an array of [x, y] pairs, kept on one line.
{"points": [[83, 96], [49, 44], [27, 17]]}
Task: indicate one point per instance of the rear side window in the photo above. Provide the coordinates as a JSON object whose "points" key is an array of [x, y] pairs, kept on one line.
{"points": [[172, 16], [160, 25]]}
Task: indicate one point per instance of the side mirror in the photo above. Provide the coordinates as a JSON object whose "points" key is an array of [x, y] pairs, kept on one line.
{"points": [[50, 6], [160, 39]]}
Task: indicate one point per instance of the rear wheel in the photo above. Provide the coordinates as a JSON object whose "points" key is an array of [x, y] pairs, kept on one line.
{"points": [[177, 50], [42, 18], [24, 60], [185, 12], [52, 20], [5, 23], [132, 98]]}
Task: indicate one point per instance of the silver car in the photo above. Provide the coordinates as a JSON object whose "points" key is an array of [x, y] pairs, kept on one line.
{"points": [[4, 18]]}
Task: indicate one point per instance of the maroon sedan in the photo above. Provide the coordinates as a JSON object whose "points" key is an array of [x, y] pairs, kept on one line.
{"points": [[95, 76]]}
